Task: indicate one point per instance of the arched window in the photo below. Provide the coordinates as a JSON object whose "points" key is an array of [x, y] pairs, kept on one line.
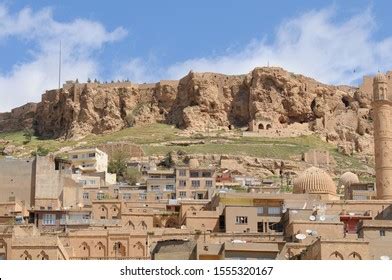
{"points": [[261, 126], [354, 256], [336, 256]]}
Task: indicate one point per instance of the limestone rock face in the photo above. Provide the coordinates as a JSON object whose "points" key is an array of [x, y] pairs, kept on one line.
{"points": [[202, 102]]}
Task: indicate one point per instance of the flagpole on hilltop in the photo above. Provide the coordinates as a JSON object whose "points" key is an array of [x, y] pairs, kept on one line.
{"points": [[60, 65]]}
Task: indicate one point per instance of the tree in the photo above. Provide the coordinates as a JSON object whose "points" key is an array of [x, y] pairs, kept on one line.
{"points": [[88, 80], [28, 134], [41, 151], [168, 161], [118, 165]]}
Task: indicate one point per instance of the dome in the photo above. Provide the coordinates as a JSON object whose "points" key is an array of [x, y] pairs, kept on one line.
{"points": [[380, 77], [314, 181], [347, 179]]}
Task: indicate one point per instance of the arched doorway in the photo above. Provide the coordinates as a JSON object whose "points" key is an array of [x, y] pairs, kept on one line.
{"points": [[138, 250], [260, 126], [268, 126], [100, 250], [3, 250], [84, 250], [119, 249]]}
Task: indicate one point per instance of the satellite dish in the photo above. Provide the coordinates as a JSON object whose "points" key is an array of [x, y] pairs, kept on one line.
{"points": [[314, 233], [300, 236], [384, 258], [312, 218], [284, 210], [351, 214], [309, 231], [322, 218]]}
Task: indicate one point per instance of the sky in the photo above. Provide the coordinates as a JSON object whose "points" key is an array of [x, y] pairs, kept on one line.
{"points": [[336, 42]]}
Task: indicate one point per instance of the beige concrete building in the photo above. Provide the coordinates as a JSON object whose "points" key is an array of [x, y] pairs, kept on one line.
{"points": [[195, 181]]}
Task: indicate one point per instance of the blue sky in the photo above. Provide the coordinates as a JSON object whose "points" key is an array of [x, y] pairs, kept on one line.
{"points": [[334, 41]]}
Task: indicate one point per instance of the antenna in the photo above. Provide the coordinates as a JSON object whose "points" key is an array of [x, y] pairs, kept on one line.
{"points": [[322, 218], [60, 65], [312, 218]]}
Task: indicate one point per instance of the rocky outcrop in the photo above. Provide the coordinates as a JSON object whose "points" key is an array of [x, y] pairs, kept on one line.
{"points": [[201, 102]]}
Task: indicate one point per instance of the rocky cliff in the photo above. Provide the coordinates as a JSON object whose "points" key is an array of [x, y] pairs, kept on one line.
{"points": [[200, 102]]}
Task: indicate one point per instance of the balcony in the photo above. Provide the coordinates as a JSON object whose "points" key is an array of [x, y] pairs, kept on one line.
{"points": [[74, 222]]}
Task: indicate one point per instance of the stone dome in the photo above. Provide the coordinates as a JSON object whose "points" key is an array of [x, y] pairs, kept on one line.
{"points": [[347, 179], [380, 77], [314, 181]]}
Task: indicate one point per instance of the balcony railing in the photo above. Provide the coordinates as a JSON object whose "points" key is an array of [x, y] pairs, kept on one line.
{"points": [[75, 221]]}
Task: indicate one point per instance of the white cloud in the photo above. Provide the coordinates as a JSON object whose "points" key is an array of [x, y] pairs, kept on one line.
{"points": [[313, 44], [81, 39]]}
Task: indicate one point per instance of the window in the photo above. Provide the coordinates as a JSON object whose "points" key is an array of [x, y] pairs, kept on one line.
{"points": [[194, 174], [74, 156], [155, 188], [260, 211], [182, 183], [182, 194], [195, 183], [169, 188], [382, 232], [209, 184], [274, 210], [155, 176], [91, 155], [206, 174], [126, 196], [49, 219], [85, 195], [241, 220], [142, 196], [182, 172], [158, 196], [100, 196]]}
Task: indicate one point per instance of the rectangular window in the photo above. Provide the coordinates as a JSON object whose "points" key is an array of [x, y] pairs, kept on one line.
{"points": [[100, 196], [155, 188], [182, 172], [194, 174], [382, 232], [274, 210], [241, 220], [206, 174], [169, 188], [142, 196], [182, 194], [74, 156], [85, 195], [49, 219], [91, 155], [209, 184], [126, 196], [195, 183], [182, 183], [260, 211], [158, 197]]}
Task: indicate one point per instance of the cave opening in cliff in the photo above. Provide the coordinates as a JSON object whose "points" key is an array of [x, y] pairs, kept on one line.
{"points": [[346, 101]]}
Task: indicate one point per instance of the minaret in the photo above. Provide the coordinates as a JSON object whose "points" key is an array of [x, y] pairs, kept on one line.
{"points": [[382, 107]]}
